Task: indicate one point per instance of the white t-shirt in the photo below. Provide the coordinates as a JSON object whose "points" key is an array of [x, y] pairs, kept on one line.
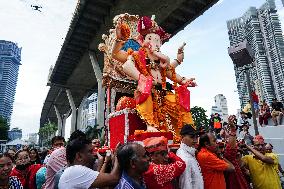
{"points": [[77, 177]]}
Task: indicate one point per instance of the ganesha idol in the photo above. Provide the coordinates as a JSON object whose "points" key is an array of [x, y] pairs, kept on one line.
{"points": [[161, 105]]}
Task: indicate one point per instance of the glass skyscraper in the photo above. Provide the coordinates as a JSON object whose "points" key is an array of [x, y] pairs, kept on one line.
{"points": [[262, 30], [10, 58]]}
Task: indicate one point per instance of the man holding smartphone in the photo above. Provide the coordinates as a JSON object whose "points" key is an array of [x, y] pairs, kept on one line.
{"points": [[261, 166]]}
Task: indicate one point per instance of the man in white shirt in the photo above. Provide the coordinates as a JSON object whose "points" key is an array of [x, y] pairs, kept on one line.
{"points": [[79, 174], [191, 177]]}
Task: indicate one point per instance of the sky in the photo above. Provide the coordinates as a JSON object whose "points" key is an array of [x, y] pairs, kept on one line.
{"points": [[41, 34]]}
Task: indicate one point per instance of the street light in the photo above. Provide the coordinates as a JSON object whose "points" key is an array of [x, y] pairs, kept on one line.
{"points": [[242, 56]]}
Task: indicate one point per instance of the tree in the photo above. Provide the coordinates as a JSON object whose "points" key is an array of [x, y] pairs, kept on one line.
{"points": [[47, 132], [199, 117], [94, 132], [4, 128]]}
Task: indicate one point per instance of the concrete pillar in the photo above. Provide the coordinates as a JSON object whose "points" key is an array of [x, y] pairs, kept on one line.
{"points": [[61, 120], [82, 122], [74, 111], [101, 89]]}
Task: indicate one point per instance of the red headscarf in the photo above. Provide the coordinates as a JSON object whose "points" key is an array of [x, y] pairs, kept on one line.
{"points": [[259, 139], [154, 144]]}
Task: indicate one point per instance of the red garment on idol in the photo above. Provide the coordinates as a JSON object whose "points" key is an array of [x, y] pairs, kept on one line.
{"points": [[28, 176], [162, 176]]}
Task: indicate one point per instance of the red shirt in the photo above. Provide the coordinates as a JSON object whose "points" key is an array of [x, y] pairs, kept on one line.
{"points": [[254, 97], [27, 177], [236, 179], [162, 176], [212, 169]]}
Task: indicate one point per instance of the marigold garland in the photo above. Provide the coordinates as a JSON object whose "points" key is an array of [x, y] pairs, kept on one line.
{"points": [[138, 64], [179, 111], [158, 110], [164, 74], [130, 51], [125, 31]]}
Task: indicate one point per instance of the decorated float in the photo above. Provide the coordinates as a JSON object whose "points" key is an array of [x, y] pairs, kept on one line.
{"points": [[140, 102]]}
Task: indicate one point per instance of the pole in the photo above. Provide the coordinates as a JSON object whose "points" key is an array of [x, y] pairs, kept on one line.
{"points": [[251, 103]]}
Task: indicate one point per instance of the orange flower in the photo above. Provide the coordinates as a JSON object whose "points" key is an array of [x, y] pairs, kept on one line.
{"points": [[125, 30], [164, 74], [174, 79], [138, 63], [130, 51]]}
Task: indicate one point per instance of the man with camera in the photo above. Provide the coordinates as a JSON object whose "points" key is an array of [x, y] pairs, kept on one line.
{"points": [[261, 166]]}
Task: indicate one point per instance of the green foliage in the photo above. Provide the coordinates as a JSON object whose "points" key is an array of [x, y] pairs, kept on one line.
{"points": [[47, 130], [4, 128], [199, 117], [94, 132]]}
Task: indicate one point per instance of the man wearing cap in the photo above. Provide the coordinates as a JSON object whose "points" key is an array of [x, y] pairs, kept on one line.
{"points": [[191, 177], [277, 110], [261, 166], [165, 166]]}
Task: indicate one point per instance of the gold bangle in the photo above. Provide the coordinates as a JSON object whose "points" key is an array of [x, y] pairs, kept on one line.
{"points": [[179, 62], [119, 40]]}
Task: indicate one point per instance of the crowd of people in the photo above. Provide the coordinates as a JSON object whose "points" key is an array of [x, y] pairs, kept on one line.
{"points": [[264, 112], [204, 160]]}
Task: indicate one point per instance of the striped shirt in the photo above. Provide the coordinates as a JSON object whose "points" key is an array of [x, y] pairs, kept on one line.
{"points": [[126, 182], [15, 183]]}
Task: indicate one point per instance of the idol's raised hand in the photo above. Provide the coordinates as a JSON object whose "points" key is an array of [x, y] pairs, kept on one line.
{"points": [[180, 53]]}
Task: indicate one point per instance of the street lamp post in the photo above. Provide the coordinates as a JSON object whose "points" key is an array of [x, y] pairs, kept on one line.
{"points": [[251, 102], [242, 56]]}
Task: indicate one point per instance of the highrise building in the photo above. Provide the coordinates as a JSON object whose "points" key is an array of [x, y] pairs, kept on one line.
{"points": [[220, 107], [88, 112], [15, 133], [92, 109], [262, 30], [10, 58], [32, 139]]}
